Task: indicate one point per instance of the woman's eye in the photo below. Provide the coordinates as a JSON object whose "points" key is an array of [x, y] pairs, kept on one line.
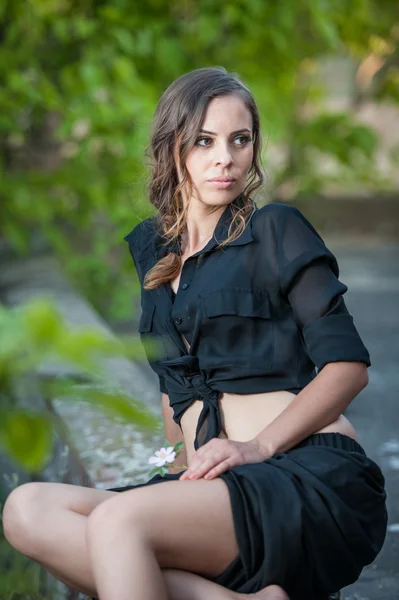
{"points": [[200, 139], [244, 140]]}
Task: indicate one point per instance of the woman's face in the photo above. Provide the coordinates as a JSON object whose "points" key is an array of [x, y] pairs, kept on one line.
{"points": [[223, 148]]}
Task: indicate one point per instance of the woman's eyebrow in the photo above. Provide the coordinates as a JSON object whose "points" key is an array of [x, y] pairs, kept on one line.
{"points": [[232, 133]]}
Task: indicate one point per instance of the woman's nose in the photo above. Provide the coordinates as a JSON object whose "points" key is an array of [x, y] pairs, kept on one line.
{"points": [[223, 155]]}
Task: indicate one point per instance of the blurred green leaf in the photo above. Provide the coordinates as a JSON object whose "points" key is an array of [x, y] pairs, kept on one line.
{"points": [[35, 332], [26, 437], [42, 322]]}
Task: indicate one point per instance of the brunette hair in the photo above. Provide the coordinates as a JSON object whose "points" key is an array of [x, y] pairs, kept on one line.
{"points": [[177, 121]]}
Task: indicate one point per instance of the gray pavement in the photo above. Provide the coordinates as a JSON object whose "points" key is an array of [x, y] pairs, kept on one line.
{"points": [[371, 272]]}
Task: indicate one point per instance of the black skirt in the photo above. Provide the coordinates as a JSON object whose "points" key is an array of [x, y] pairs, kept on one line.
{"points": [[308, 519]]}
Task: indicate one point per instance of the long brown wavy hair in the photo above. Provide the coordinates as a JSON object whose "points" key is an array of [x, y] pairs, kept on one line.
{"points": [[177, 121]]}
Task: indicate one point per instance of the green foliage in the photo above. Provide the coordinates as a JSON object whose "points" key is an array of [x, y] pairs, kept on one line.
{"points": [[34, 333], [27, 438], [79, 82], [336, 136]]}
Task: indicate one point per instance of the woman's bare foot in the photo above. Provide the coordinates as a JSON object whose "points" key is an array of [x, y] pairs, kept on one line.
{"points": [[271, 592], [183, 584]]}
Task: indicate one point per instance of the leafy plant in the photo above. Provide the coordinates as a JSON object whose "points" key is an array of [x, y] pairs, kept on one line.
{"points": [[34, 333], [79, 83]]}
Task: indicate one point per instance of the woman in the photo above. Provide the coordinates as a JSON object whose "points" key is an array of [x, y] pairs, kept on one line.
{"points": [[279, 499]]}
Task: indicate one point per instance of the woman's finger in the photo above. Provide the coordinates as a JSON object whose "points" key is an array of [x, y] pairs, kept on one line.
{"points": [[207, 457], [200, 469], [220, 468]]}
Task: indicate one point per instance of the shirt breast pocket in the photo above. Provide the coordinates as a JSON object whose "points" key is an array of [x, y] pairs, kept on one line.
{"points": [[236, 330]]}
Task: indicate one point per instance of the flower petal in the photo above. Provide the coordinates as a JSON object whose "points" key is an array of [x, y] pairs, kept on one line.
{"points": [[170, 458], [153, 460]]}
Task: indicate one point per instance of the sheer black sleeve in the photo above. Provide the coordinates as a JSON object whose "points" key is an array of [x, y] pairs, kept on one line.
{"points": [[133, 239], [309, 280]]}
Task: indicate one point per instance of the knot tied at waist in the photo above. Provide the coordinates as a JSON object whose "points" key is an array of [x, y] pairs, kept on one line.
{"points": [[186, 383]]}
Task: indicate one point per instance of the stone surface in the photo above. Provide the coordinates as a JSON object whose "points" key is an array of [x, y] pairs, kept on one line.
{"points": [[114, 453]]}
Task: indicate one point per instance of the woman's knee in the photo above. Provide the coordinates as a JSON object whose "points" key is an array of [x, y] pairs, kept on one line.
{"points": [[20, 514], [116, 514]]}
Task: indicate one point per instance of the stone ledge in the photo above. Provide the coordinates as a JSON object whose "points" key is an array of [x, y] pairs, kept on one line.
{"points": [[112, 452]]}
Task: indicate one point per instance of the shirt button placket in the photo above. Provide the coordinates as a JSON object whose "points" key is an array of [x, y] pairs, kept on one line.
{"points": [[187, 273]]}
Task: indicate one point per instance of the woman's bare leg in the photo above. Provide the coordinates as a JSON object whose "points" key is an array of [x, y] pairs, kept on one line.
{"points": [[182, 585], [47, 522], [135, 535]]}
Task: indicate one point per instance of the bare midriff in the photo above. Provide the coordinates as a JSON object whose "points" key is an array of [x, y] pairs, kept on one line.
{"points": [[244, 416]]}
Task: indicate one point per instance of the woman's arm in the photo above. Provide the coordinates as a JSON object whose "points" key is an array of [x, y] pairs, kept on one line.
{"points": [[308, 281], [320, 403], [317, 405], [173, 433]]}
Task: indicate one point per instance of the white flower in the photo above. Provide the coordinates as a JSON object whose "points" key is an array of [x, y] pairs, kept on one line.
{"points": [[163, 456]]}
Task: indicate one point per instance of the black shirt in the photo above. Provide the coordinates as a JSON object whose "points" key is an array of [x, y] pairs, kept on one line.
{"points": [[259, 314]]}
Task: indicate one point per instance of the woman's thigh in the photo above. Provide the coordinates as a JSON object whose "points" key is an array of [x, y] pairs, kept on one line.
{"points": [[47, 522], [30, 506], [40, 496], [189, 524]]}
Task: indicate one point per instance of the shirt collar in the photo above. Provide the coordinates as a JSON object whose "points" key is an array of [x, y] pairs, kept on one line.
{"points": [[220, 234]]}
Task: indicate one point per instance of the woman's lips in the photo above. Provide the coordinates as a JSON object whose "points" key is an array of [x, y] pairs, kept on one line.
{"points": [[222, 184]]}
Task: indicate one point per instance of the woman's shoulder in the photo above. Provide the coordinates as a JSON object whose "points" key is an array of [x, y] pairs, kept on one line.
{"points": [[143, 238], [282, 219], [142, 231], [278, 211]]}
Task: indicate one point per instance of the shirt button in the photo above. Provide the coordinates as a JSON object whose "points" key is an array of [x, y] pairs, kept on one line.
{"points": [[184, 286], [178, 320]]}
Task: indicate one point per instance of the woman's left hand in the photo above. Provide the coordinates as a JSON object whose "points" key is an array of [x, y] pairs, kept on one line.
{"points": [[219, 455]]}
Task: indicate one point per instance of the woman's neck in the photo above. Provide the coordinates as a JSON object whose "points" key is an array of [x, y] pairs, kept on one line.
{"points": [[200, 227]]}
